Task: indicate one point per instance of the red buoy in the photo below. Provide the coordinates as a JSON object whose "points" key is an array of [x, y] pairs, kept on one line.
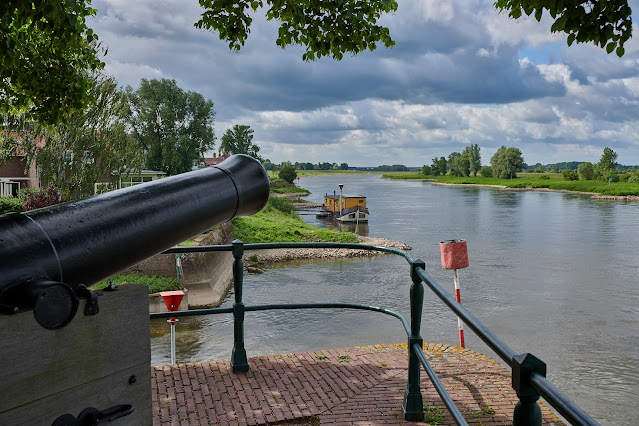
{"points": [[454, 254]]}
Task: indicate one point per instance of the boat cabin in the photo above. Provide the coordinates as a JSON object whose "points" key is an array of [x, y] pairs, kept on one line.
{"points": [[332, 202]]}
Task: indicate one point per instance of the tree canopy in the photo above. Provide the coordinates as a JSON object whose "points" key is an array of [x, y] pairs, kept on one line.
{"points": [[92, 144], [173, 127], [47, 54], [506, 162], [607, 24], [335, 27], [239, 140]]}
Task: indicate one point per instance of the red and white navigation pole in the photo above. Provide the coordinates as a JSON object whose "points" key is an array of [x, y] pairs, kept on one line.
{"points": [[454, 255]]}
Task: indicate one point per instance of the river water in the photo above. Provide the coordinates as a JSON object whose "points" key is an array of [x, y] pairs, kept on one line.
{"points": [[552, 274]]}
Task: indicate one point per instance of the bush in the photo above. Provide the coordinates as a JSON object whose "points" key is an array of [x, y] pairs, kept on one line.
{"points": [[33, 198], [544, 177], [281, 204], [10, 204], [288, 173], [570, 175], [586, 171], [486, 171], [279, 183], [426, 170]]}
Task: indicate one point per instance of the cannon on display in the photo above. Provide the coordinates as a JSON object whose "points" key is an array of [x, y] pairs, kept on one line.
{"points": [[49, 255]]}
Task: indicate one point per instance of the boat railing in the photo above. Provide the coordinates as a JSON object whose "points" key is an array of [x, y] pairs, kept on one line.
{"points": [[528, 372]]}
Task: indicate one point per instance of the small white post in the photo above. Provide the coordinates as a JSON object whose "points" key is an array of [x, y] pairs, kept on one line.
{"points": [[172, 321], [460, 324]]}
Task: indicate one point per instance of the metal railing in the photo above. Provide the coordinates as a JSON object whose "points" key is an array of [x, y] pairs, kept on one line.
{"points": [[528, 372]]}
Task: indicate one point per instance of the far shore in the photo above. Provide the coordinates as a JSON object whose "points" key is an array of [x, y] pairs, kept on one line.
{"points": [[593, 195]]}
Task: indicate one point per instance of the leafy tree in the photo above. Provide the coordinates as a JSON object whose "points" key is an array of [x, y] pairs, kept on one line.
{"points": [[586, 171], [606, 23], [506, 162], [90, 145], [608, 159], [239, 140], [288, 174], [332, 28], [459, 164], [173, 127], [47, 54], [471, 152], [570, 175], [426, 170], [439, 166], [343, 166], [486, 171], [268, 165]]}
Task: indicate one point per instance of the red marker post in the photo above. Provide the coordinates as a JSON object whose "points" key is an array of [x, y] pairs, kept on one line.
{"points": [[454, 255], [172, 300]]}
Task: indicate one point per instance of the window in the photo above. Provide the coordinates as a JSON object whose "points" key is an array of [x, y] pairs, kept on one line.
{"points": [[361, 201], [351, 216], [362, 215]]}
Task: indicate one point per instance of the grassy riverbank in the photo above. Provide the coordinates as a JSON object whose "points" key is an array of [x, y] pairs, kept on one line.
{"points": [[279, 222], [552, 181], [154, 283]]}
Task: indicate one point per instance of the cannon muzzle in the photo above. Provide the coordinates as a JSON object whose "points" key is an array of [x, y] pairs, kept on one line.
{"points": [[46, 254]]}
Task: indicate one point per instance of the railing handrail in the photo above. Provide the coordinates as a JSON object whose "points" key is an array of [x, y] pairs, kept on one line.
{"points": [[529, 378]]}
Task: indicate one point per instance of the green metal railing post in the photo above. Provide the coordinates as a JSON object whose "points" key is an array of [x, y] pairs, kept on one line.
{"points": [[413, 405], [239, 363], [527, 411]]}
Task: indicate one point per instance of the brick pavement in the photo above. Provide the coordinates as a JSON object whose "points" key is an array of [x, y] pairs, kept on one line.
{"points": [[350, 386]]}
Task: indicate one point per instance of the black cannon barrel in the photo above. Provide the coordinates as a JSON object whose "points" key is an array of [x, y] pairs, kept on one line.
{"points": [[85, 241]]}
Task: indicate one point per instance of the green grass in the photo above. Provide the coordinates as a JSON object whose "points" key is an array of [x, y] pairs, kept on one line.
{"points": [[155, 284], [278, 222], [533, 180], [290, 190]]}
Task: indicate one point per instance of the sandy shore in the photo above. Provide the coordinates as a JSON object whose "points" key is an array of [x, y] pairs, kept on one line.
{"points": [[593, 195], [282, 255]]}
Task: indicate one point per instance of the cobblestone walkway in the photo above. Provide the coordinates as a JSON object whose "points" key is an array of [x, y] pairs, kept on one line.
{"points": [[350, 386]]}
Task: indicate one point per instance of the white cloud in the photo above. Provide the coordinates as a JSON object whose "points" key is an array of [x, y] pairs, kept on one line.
{"points": [[460, 73]]}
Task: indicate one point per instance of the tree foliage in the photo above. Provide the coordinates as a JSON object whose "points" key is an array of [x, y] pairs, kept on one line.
{"points": [[471, 152], [47, 54], [439, 166], [607, 24], [239, 140], [426, 170], [586, 171], [173, 127], [506, 162], [608, 160], [90, 144], [325, 28], [288, 173]]}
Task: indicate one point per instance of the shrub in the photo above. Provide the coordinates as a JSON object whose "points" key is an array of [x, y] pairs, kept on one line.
{"points": [[10, 204], [426, 170], [288, 173], [570, 175], [33, 198], [486, 171], [281, 204], [586, 171], [279, 183], [544, 177]]}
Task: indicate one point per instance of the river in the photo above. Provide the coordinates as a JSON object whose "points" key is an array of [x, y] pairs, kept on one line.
{"points": [[550, 273]]}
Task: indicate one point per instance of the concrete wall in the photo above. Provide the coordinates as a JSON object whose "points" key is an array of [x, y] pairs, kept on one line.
{"points": [[207, 277]]}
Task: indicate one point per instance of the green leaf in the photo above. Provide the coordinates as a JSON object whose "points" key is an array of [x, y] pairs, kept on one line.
{"points": [[571, 39], [620, 51], [611, 46]]}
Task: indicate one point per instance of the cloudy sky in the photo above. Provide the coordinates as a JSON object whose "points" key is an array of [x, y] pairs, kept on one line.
{"points": [[460, 73]]}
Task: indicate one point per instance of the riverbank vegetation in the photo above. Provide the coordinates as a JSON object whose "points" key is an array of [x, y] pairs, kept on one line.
{"points": [[552, 181], [279, 222], [154, 283]]}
